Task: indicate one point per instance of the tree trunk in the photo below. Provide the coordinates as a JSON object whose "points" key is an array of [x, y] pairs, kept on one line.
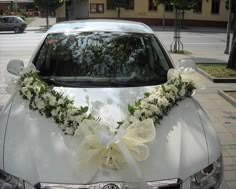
{"points": [[164, 17], [118, 12], [47, 21], [182, 19], [232, 56]]}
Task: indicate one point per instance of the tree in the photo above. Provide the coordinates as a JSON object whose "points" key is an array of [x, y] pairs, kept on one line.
{"points": [[184, 5], [120, 4], [48, 5], [232, 57], [164, 3], [178, 5], [181, 5]]}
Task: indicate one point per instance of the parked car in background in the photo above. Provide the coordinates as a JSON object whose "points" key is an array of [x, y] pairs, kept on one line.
{"points": [[12, 23]]}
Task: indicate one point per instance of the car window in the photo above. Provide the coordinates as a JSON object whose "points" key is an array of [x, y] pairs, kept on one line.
{"points": [[102, 57], [19, 19], [9, 20], [4, 20]]}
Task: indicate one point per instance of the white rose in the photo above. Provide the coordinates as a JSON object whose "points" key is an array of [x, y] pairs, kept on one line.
{"points": [[40, 103], [132, 119], [54, 113], [163, 102], [52, 100], [61, 101], [182, 91], [137, 114], [126, 123], [28, 95]]}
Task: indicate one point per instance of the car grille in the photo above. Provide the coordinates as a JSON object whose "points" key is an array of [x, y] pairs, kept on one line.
{"points": [[164, 184]]}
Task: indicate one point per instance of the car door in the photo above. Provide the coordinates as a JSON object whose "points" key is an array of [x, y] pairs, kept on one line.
{"points": [[2, 24], [9, 23]]}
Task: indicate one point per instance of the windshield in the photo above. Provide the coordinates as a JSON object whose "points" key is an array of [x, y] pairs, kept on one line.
{"points": [[102, 58]]}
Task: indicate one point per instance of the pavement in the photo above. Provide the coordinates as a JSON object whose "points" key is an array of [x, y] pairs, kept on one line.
{"points": [[39, 24], [220, 111]]}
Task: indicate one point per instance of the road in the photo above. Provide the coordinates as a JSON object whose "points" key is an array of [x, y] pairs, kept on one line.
{"points": [[21, 46], [14, 46]]}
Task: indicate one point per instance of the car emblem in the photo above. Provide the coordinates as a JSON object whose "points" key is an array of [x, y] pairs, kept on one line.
{"points": [[110, 186]]}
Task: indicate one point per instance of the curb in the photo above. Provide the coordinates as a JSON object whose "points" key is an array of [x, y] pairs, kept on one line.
{"points": [[215, 79], [227, 97], [36, 29]]}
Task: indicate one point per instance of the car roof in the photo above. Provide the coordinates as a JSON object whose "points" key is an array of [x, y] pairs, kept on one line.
{"points": [[101, 25]]}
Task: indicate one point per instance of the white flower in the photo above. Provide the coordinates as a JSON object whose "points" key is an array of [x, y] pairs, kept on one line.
{"points": [[40, 103], [61, 101], [132, 119], [137, 114], [72, 110], [126, 123], [52, 100], [28, 95], [28, 80], [182, 92], [24, 90], [163, 102], [54, 113]]}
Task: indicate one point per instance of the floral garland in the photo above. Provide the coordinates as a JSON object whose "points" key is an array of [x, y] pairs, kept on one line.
{"points": [[53, 104], [111, 148]]}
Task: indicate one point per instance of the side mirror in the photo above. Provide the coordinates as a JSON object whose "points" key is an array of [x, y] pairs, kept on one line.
{"points": [[186, 63], [15, 67]]}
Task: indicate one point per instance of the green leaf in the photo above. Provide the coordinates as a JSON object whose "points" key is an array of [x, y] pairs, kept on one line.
{"points": [[138, 103], [120, 123], [131, 109], [84, 109], [146, 94]]}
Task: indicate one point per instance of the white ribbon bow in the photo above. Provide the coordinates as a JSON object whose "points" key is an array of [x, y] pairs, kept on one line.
{"points": [[101, 148]]}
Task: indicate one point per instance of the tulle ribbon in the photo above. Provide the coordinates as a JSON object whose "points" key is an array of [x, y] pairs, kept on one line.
{"points": [[12, 82], [102, 148]]}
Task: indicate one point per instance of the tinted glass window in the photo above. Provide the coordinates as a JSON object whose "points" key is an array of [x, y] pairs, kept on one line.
{"points": [[134, 59]]}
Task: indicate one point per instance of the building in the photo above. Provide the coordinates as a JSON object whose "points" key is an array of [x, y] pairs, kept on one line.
{"points": [[13, 4], [207, 13]]}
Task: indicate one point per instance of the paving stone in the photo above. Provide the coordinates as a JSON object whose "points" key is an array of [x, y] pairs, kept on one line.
{"points": [[225, 153], [228, 168], [229, 161], [227, 138], [226, 186], [231, 152], [230, 176], [226, 147], [231, 184]]}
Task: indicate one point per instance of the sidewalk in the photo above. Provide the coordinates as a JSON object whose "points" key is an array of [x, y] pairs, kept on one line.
{"points": [[222, 115], [39, 24], [191, 29]]}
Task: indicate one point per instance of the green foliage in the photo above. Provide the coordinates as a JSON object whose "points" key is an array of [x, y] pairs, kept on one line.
{"points": [[233, 5], [48, 4], [131, 109], [120, 3], [179, 4]]}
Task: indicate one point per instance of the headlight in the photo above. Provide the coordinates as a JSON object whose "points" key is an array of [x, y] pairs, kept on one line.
{"points": [[8, 181], [210, 177]]}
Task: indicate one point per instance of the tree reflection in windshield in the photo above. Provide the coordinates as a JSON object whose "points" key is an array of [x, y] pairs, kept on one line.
{"points": [[124, 57]]}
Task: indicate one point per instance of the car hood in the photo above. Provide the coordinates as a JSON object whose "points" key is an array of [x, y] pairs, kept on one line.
{"points": [[36, 150]]}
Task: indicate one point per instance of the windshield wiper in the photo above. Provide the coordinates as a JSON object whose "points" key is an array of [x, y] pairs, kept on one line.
{"points": [[58, 82]]}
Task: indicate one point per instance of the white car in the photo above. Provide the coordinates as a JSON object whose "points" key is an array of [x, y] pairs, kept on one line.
{"points": [[105, 65]]}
